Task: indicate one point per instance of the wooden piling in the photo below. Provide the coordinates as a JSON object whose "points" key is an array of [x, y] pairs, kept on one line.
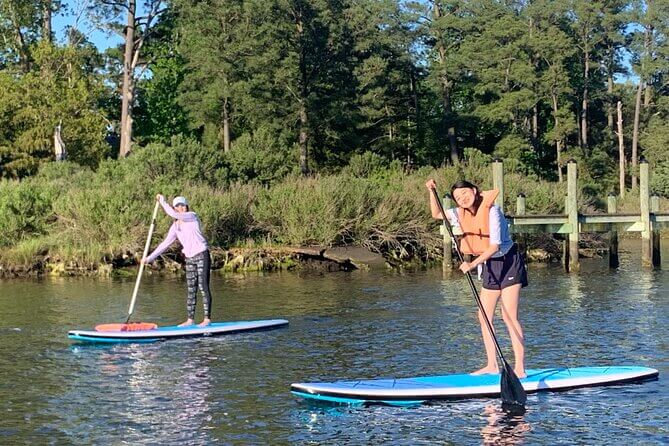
{"points": [[649, 221], [565, 241], [447, 263], [644, 199], [614, 260], [572, 212], [655, 231]]}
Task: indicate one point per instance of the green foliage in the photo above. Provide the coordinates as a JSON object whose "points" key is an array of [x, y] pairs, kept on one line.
{"points": [[25, 211], [159, 116], [31, 106], [365, 164], [261, 157], [655, 143], [183, 161], [517, 149]]}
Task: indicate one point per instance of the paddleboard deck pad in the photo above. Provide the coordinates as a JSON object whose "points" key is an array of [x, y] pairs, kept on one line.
{"points": [[408, 391], [174, 332]]}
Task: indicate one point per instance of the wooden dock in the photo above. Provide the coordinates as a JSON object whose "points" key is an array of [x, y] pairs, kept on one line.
{"points": [[649, 222]]}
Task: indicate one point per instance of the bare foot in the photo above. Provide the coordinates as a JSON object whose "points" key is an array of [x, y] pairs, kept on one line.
{"points": [[187, 323], [487, 370], [204, 323], [520, 373]]}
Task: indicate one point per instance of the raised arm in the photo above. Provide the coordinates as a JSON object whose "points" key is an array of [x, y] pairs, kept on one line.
{"points": [[169, 210], [434, 206]]}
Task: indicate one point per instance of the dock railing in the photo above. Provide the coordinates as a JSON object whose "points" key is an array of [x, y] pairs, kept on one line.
{"points": [[649, 222]]}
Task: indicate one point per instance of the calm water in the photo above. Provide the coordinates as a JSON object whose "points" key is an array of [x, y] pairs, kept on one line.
{"points": [[234, 390]]}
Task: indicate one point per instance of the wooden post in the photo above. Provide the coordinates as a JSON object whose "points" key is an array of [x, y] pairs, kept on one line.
{"points": [[655, 237], [520, 210], [520, 204], [572, 212], [614, 261], [498, 181], [565, 241], [447, 263], [644, 199]]}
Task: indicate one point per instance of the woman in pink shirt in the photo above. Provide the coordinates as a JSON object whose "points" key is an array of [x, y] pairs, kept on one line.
{"points": [[186, 228]]}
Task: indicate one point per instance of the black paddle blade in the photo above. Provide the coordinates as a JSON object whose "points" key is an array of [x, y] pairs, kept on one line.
{"points": [[513, 394]]}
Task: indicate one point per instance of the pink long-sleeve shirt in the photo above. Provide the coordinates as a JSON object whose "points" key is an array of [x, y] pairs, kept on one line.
{"points": [[186, 228]]}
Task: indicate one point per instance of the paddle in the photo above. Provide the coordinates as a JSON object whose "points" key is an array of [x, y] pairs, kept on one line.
{"points": [[513, 394], [141, 265]]}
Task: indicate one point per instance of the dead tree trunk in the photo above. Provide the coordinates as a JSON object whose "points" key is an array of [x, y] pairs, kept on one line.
{"points": [[635, 132], [621, 150], [128, 88]]}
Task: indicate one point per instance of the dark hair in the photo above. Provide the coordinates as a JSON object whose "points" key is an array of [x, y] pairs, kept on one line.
{"points": [[477, 198], [463, 183]]}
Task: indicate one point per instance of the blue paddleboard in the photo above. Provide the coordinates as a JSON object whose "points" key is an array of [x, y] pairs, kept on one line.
{"points": [[174, 332], [406, 391]]}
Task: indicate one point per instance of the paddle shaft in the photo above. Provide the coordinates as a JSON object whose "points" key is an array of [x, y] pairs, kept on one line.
{"points": [[470, 280], [141, 265]]}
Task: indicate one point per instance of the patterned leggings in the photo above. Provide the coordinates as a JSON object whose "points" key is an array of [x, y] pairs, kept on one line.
{"points": [[197, 277]]}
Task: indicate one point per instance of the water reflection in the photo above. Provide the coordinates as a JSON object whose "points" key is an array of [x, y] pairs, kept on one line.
{"points": [[142, 388], [504, 427]]}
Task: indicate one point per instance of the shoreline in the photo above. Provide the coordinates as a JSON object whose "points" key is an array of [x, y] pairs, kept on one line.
{"points": [[267, 259]]}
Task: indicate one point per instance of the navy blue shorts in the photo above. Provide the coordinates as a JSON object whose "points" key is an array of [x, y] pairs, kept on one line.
{"points": [[505, 271]]}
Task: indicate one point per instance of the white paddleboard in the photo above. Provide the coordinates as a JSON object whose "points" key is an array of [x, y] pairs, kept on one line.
{"points": [[403, 391], [174, 332]]}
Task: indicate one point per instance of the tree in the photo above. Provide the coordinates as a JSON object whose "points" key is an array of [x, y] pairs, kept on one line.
{"points": [[501, 69], [158, 115], [19, 29], [387, 78], [586, 23], [136, 31], [551, 49], [650, 49], [447, 27], [59, 90], [300, 72], [214, 39], [614, 21]]}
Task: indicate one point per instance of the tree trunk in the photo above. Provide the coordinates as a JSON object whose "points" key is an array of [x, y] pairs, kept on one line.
{"points": [[58, 145], [609, 105], [128, 89], [535, 127], [635, 132], [584, 107], [304, 160], [446, 86], [416, 115], [448, 118], [646, 43], [391, 135], [621, 150], [558, 141], [47, 33], [226, 127]]}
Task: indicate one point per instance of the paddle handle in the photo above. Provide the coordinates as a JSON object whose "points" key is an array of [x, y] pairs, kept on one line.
{"points": [[141, 265], [469, 277]]}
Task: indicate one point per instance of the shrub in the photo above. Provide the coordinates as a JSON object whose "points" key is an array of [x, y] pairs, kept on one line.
{"points": [[260, 157], [25, 211], [365, 164]]}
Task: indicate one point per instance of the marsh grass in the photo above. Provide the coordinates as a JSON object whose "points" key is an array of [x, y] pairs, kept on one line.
{"points": [[71, 214]]}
